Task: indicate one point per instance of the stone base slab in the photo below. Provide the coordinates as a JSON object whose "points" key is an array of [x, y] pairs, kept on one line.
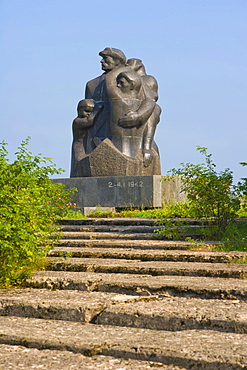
{"points": [[115, 191]]}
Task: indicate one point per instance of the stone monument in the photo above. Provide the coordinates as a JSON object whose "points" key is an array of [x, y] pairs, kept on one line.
{"points": [[115, 161], [113, 134]]}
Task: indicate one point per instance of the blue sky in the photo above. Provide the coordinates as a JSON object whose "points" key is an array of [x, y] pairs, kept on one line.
{"points": [[196, 49]]}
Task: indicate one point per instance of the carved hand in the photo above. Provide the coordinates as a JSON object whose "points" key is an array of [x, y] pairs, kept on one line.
{"points": [[130, 119]]}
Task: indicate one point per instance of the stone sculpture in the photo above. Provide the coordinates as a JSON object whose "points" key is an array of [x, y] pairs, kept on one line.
{"points": [[113, 134]]}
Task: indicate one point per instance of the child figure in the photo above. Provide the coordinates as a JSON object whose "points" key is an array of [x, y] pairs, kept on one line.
{"points": [[84, 120], [87, 111]]}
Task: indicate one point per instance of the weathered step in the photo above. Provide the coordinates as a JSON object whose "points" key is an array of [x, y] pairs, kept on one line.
{"points": [[111, 228], [19, 357], [70, 305], [128, 221], [186, 286], [151, 254], [155, 268], [173, 314], [111, 221], [123, 232], [190, 230], [198, 349], [165, 313], [107, 235], [118, 243]]}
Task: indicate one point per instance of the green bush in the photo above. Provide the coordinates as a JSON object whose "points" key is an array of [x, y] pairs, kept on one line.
{"points": [[242, 189], [210, 194], [234, 238], [30, 206]]}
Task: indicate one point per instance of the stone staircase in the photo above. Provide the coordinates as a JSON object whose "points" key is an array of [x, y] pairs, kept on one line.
{"points": [[126, 300]]}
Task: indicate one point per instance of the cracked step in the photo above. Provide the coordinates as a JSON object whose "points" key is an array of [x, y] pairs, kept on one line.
{"points": [[207, 348], [118, 243], [175, 314], [151, 312], [151, 254], [107, 235], [112, 228], [60, 305], [19, 357], [124, 221], [145, 285], [155, 268]]}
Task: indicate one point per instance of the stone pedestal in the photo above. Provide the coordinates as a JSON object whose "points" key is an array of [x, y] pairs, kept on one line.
{"points": [[115, 191]]}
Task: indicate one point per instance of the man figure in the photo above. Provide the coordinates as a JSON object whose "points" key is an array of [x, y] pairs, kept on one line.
{"points": [[112, 63], [112, 59]]}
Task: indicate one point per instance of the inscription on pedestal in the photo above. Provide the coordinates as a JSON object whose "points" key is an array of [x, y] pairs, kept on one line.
{"points": [[124, 184], [120, 191]]}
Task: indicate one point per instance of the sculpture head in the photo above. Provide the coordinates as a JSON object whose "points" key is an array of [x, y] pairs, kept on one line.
{"points": [[137, 66], [112, 58], [127, 81], [85, 107]]}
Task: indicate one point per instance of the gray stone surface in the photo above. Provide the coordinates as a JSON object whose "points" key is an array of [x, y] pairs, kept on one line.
{"points": [[107, 235], [60, 305], [173, 314], [107, 160], [150, 254], [136, 343], [154, 268], [22, 358], [114, 130], [121, 191], [151, 312], [122, 221], [193, 286], [135, 244], [172, 190]]}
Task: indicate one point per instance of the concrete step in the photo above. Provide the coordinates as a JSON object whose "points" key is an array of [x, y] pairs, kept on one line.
{"points": [[111, 221], [136, 244], [153, 312], [176, 314], [190, 348], [69, 305], [190, 230], [155, 268], [106, 228], [107, 235], [14, 357], [144, 285], [151, 254], [130, 221]]}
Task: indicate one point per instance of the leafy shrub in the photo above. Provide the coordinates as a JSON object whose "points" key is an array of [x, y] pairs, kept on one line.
{"points": [[242, 212], [234, 238], [30, 206], [177, 210], [242, 189], [210, 194]]}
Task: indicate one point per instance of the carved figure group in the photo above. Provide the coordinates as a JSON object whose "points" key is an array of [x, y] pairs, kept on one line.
{"points": [[119, 105]]}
